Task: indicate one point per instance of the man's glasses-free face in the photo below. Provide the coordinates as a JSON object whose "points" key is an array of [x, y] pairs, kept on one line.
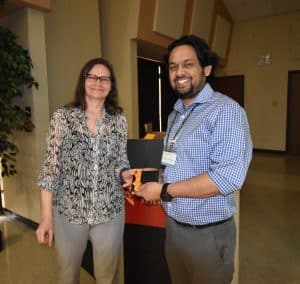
{"points": [[94, 78]]}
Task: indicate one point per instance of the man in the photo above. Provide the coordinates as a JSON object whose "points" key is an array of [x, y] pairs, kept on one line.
{"points": [[207, 151]]}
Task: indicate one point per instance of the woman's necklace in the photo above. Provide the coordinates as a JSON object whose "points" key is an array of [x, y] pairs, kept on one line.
{"points": [[95, 120], [98, 122]]}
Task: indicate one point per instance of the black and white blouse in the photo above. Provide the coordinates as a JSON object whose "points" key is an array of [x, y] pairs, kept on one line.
{"points": [[79, 166]]}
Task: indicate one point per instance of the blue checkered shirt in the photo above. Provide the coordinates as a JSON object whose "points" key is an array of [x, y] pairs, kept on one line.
{"points": [[214, 139]]}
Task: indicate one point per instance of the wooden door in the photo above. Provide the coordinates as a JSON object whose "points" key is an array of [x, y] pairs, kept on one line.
{"points": [[293, 113], [231, 86]]}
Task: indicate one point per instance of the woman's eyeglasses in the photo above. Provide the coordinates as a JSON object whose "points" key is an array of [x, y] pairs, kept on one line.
{"points": [[94, 78]]}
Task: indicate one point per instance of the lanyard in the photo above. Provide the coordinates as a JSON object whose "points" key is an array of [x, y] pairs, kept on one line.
{"points": [[173, 141]]}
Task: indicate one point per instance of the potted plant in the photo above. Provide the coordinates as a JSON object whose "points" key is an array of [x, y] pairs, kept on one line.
{"points": [[15, 75]]}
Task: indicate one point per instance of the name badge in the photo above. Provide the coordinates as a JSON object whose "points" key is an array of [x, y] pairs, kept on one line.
{"points": [[168, 158]]}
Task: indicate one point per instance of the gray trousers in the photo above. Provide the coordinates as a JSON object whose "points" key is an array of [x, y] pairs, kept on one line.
{"points": [[71, 241], [200, 256]]}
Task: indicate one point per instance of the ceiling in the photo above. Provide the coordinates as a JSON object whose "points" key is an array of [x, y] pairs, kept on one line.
{"points": [[240, 10], [244, 10]]}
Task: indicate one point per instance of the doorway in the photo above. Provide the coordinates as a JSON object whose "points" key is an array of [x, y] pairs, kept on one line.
{"points": [[231, 86], [148, 94], [293, 114], [154, 95]]}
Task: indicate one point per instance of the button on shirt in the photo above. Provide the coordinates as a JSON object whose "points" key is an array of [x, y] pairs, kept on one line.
{"points": [[214, 139]]}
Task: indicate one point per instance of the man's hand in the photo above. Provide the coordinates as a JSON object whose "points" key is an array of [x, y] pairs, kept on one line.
{"points": [[150, 191]]}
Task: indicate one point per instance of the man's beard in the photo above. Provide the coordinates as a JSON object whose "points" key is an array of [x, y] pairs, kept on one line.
{"points": [[192, 92], [188, 94]]}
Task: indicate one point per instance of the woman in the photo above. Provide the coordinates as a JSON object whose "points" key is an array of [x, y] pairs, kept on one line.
{"points": [[81, 193]]}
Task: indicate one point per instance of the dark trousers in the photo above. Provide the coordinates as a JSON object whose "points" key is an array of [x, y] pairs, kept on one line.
{"points": [[201, 255]]}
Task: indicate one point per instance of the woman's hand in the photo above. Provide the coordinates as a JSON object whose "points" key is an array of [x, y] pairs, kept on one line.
{"points": [[44, 232], [128, 177]]}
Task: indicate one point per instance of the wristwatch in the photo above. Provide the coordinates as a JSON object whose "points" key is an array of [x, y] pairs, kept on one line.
{"points": [[164, 195]]}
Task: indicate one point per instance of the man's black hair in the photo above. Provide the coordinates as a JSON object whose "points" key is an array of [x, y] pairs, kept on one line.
{"points": [[204, 54]]}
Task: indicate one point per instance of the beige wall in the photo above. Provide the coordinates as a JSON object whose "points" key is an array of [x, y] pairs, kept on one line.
{"points": [[164, 20], [266, 85], [72, 37], [202, 18], [119, 24]]}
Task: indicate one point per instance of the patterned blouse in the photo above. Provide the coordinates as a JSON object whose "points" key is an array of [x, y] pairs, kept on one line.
{"points": [[80, 167]]}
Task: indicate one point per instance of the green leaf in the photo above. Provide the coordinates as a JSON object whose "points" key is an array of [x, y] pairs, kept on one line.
{"points": [[15, 75]]}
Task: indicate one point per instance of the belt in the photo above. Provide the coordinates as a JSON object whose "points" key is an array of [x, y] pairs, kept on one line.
{"points": [[203, 226]]}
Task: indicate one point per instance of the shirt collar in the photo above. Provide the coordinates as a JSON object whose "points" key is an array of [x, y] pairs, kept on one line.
{"points": [[203, 96]]}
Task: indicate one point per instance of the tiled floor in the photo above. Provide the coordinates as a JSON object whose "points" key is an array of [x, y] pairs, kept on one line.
{"points": [[269, 231], [24, 261], [270, 221]]}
